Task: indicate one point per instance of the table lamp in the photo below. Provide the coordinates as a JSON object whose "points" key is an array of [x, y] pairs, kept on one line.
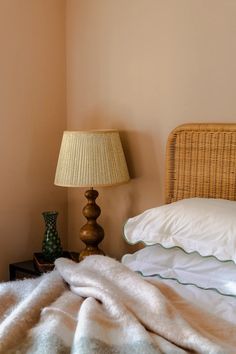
{"points": [[91, 159]]}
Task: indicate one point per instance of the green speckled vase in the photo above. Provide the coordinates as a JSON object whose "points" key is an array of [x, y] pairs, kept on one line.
{"points": [[51, 244]]}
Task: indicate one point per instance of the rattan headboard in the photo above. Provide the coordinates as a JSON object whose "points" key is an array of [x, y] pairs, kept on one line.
{"points": [[201, 162]]}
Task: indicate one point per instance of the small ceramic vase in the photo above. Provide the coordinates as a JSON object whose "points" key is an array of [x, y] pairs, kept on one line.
{"points": [[51, 247]]}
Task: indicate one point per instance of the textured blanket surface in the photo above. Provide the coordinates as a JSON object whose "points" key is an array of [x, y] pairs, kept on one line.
{"points": [[100, 306]]}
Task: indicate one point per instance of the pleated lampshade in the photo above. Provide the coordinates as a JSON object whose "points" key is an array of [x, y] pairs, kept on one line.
{"points": [[91, 158]]}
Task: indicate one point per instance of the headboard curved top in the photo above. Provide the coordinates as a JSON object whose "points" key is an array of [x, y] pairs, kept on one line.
{"points": [[201, 162]]}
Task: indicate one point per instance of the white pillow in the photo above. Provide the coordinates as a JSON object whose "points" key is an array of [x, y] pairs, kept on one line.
{"points": [[173, 263], [206, 226]]}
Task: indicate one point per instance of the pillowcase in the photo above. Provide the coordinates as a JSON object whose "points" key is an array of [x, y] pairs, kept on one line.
{"points": [[206, 226], [192, 269]]}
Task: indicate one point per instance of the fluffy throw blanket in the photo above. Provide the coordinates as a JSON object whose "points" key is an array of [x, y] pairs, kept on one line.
{"points": [[99, 306]]}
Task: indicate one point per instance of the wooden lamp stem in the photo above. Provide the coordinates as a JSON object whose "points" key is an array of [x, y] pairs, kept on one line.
{"points": [[91, 233]]}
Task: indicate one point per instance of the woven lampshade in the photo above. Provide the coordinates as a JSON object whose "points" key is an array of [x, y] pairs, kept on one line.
{"points": [[91, 158]]}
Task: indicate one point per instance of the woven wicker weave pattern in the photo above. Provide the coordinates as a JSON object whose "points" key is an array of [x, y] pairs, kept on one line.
{"points": [[201, 162]]}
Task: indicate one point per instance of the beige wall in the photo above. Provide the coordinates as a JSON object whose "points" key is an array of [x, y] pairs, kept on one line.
{"points": [[32, 116], [144, 67], [141, 66]]}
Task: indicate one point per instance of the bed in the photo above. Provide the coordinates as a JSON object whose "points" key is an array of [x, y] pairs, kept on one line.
{"points": [[200, 163], [158, 299]]}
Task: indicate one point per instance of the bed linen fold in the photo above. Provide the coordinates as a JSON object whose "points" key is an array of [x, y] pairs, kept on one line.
{"points": [[100, 306]]}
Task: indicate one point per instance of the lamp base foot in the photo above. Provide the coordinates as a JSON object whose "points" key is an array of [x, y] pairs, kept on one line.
{"points": [[89, 252]]}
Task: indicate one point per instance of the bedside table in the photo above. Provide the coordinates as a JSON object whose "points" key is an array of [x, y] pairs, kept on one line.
{"points": [[33, 269], [22, 270]]}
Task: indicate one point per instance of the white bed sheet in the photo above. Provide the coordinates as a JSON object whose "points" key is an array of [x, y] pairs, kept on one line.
{"points": [[211, 301]]}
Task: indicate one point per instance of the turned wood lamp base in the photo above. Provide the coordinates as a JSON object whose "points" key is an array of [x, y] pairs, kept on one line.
{"points": [[91, 233]]}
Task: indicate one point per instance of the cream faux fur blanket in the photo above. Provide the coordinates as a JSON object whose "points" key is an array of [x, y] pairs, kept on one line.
{"points": [[100, 306]]}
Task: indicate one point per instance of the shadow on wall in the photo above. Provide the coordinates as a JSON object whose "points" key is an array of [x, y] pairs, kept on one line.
{"points": [[145, 189], [140, 193]]}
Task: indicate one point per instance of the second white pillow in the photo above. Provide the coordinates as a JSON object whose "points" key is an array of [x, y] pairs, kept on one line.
{"points": [[188, 269]]}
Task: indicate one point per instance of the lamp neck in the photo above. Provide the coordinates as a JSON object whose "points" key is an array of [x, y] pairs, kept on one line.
{"points": [[91, 233]]}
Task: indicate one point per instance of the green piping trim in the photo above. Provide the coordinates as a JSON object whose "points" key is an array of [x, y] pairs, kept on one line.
{"points": [[175, 279]]}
